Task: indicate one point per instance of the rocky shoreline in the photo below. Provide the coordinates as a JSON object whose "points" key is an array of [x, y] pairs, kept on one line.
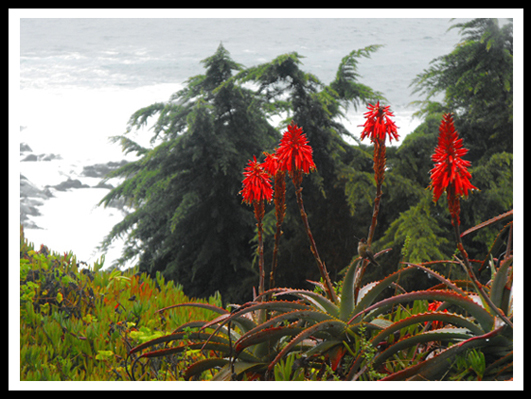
{"points": [[32, 197]]}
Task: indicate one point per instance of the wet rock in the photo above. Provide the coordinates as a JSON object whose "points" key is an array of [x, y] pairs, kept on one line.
{"points": [[107, 186], [29, 207], [69, 184], [30, 190], [25, 148], [30, 200], [102, 169], [30, 158], [49, 157], [40, 157]]}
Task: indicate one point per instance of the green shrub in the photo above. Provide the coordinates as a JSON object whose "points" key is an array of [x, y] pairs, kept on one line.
{"points": [[78, 322]]}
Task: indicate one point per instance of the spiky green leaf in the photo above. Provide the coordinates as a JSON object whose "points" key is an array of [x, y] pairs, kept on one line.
{"points": [[484, 318]]}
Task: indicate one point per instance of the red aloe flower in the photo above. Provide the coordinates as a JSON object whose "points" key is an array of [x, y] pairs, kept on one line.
{"points": [[271, 164], [432, 307], [256, 189], [450, 172], [294, 153], [379, 124], [256, 184]]}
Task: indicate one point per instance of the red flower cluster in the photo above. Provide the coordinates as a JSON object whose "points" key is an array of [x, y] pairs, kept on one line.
{"points": [[432, 307], [294, 153], [271, 164], [450, 172], [256, 184], [379, 124]]}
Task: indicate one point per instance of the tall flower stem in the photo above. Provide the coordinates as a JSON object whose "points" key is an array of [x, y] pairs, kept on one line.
{"points": [[257, 189], [377, 127], [259, 214], [379, 173], [280, 210], [320, 264], [295, 157], [379, 161], [450, 173]]}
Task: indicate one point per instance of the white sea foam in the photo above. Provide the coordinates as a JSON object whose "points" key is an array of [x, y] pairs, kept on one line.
{"points": [[71, 221], [78, 131]]}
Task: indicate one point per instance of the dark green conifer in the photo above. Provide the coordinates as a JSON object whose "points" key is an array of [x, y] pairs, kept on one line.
{"points": [[187, 220]]}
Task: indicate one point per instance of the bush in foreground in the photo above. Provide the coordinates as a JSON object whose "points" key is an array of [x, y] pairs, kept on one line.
{"points": [[455, 330], [78, 322]]}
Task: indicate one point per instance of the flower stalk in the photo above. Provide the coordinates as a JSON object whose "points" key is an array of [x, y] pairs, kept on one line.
{"points": [[295, 158], [379, 160], [271, 166], [257, 189], [259, 212], [320, 264], [377, 127], [450, 174]]}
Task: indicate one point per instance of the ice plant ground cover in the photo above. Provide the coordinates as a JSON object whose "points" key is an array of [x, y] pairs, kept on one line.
{"points": [[78, 322], [456, 329]]}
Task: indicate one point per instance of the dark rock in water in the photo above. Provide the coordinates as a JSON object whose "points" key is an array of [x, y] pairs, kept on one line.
{"points": [[49, 157], [36, 157], [102, 169], [29, 190], [30, 158], [29, 207], [32, 197], [30, 200], [68, 184], [25, 148], [107, 186], [40, 157]]}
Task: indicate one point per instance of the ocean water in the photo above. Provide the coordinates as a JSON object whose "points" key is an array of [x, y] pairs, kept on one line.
{"points": [[81, 79]]}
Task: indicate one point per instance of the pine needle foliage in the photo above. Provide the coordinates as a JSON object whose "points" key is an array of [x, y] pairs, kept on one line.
{"points": [[187, 220]]}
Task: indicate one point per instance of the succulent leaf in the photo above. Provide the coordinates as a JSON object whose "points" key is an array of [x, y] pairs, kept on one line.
{"points": [[321, 302], [205, 364], [484, 318], [498, 286], [335, 325], [348, 293]]}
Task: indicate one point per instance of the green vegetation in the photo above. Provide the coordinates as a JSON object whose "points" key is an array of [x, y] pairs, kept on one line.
{"points": [[86, 324], [79, 323]]}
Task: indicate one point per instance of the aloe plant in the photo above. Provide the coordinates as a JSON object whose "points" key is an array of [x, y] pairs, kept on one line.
{"points": [[359, 334], [321, 331], [473, 323]]}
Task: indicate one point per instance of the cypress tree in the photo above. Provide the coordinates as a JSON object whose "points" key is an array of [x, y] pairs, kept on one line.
{"points": [[188, 221], [476, 79]]}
